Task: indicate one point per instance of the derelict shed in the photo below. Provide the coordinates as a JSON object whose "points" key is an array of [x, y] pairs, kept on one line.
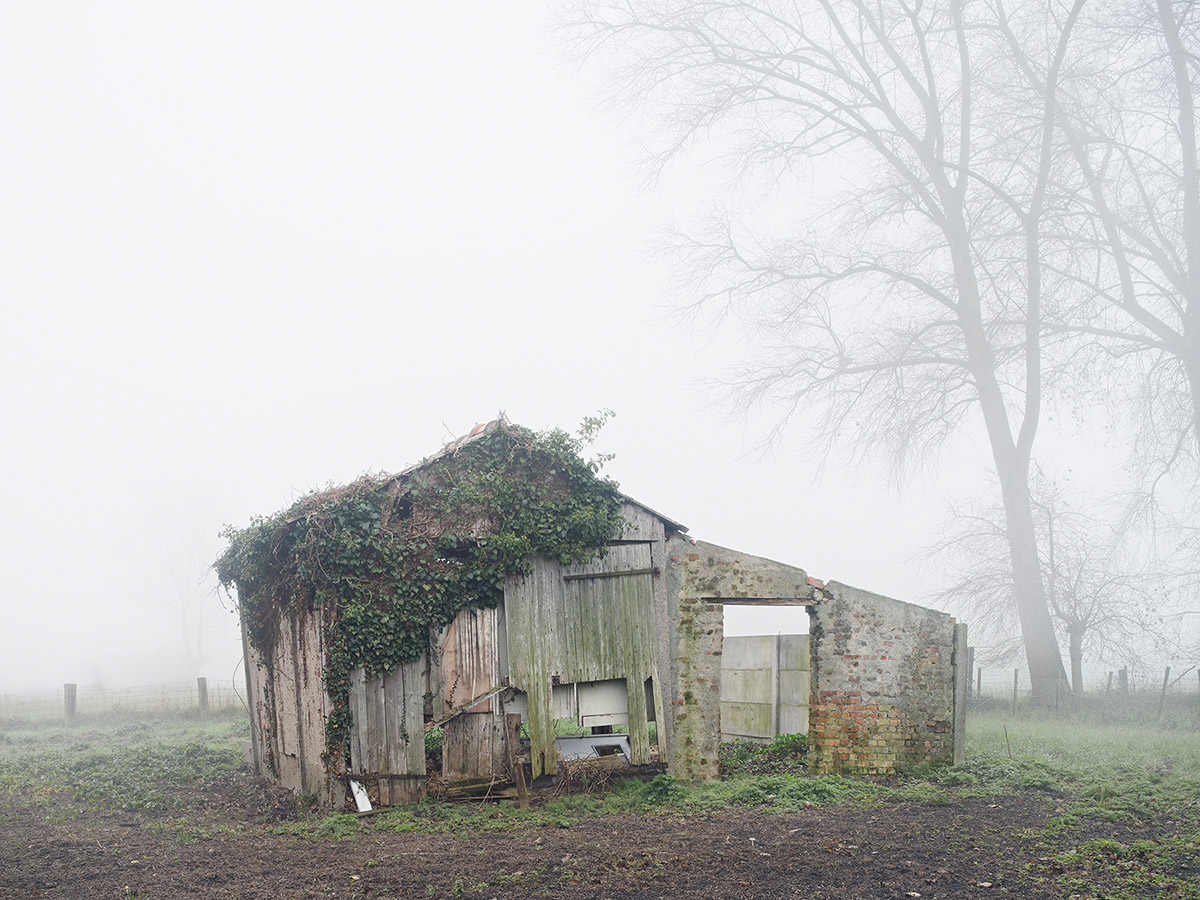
{"points": [[498, 580], [501, 583]]}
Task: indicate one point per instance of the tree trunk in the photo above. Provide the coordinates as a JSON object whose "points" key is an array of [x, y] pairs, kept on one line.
{"points": [[1012, 467], [1190, 178], [1075, 635], [1037, 628], [1191, 365]]}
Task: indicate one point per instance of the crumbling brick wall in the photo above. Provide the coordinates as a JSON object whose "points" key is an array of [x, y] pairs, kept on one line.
{"points": [[886, 694]]}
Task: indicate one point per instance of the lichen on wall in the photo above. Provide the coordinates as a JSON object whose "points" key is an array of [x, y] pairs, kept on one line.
{"points": [[883, 684], [701, 578]]}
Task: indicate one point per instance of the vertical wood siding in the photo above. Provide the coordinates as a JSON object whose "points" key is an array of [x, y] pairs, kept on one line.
{"points": [[387, 737], [288, 706], [583, 630], [547, 630]]}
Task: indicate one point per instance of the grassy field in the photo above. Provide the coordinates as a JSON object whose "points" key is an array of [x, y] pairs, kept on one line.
{"points": [[1122, 804]]}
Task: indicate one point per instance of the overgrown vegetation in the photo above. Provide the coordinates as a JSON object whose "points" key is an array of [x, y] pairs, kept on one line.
{"points": [[787, 753], [1142, 868], [386, 559], [158, 764]]}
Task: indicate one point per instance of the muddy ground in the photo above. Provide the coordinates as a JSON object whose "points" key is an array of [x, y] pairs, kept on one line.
{"points": [[235, 845]]}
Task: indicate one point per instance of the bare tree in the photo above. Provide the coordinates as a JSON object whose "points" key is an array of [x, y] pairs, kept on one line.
{"points": [[1106, 602], [1130, 122], [913, 304]]}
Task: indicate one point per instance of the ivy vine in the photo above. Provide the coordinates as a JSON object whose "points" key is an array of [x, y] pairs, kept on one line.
{"points": [[386, 560]]}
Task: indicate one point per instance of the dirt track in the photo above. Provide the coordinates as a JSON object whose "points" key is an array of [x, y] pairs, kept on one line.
{"points": [[880, 851]]}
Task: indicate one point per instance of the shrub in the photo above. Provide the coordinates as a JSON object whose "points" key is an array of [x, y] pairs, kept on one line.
{"points": [[663, 789]]}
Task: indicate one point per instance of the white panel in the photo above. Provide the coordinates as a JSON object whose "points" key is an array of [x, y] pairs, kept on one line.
{"points": [[603, 698]]}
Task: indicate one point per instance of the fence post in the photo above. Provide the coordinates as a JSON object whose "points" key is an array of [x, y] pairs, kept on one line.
{"points": [[1163, 696], [1123, 680], [979, 682], [69, 703], [202, 690], [970, 669], [1016, 675]]}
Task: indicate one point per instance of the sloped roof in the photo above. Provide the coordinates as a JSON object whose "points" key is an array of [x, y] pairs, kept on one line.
{"points": [[487, 428]]}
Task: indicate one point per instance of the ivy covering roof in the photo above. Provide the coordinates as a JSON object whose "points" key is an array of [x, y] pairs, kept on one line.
{"points": [[386, 559]]}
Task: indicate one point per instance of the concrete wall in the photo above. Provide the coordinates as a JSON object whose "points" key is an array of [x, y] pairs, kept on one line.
{"points": [[883, 684], [764, 686], [699, 580]]}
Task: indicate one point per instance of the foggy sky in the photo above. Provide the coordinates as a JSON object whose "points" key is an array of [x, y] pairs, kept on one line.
{"points": [[250, 250]]}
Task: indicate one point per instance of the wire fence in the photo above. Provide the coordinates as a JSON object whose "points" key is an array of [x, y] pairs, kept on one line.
{"points": [[74, 702], [1169, 697]]}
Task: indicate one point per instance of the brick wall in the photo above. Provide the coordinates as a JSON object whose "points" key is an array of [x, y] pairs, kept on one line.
{"points": [[883, 684]]}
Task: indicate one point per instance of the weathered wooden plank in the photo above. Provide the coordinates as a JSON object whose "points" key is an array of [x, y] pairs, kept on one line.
{"points": [[641, 524], [517, 615], [545, 661], [620, 573], [374, 726], [310, 696], [394, 757], [635, 605], [473, 747], [358, 727], [469, 659], [431, 674], [413, 718], [251, 660], [661, 614], [285, 725]]}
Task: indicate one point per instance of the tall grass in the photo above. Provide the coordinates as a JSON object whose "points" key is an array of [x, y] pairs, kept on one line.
{"points": [[1088, 747]]}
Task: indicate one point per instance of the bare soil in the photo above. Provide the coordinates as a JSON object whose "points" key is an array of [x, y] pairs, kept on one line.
{"points": [[227, 846]]}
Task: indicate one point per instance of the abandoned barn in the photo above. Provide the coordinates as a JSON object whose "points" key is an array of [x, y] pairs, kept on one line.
{"points": [[500, 587]]}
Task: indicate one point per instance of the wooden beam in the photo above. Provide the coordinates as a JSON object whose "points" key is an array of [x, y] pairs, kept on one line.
{"points": [[653, 570], [760, 601], [459, 710]]}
